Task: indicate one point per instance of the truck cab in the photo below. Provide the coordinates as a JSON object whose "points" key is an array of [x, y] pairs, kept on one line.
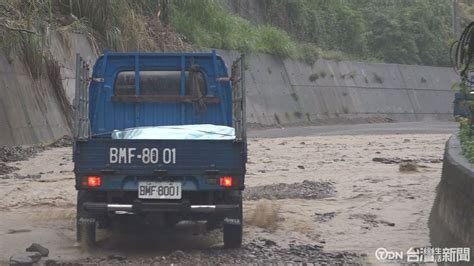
{"points": [[162, 137]]}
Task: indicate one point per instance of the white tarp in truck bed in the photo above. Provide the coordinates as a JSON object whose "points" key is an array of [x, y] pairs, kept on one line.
{"points": [[203, 131]]}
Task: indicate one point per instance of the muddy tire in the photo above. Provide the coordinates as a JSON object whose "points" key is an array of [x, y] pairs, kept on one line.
{"points": [[85, 221], [233, 228]]}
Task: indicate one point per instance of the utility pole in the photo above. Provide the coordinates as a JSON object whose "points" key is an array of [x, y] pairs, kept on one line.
{"points": [[455, 18]]}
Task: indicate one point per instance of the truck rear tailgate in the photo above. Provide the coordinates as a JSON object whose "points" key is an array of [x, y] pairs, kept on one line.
{"points": [[169, 157]]}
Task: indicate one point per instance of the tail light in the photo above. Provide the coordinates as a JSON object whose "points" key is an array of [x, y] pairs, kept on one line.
{"points": [[91, 181], [225, 181]]}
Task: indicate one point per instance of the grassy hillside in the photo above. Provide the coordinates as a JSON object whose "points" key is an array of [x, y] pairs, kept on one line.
{"points": [[392, 31], [207, 24], [396, 31]]}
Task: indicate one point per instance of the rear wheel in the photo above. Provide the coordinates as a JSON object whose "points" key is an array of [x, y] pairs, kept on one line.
{"points": [[233, 225], [85, 221]]}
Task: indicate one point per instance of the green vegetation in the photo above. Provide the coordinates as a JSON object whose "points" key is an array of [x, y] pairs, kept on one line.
{"points": [[396, 31], [352, 74], [313, 77], [120, 25], [277, 119], [377, 78], [27, 34], [33, 54], [294, 96], [207, 24], [27, 37], [408, 32], [466, 8], [298, 114], [467, 139]]}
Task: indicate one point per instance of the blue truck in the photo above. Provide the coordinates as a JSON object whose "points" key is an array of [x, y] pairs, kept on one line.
{"points": [[160, 181]]}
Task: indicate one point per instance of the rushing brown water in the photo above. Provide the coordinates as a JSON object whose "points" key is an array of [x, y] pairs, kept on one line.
{"points": [[371, 203]]}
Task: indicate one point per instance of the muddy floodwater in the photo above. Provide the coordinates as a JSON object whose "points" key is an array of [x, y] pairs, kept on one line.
{"points": [[331, 198]]}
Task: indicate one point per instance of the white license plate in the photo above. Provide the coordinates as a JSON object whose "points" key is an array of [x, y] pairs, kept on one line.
{"points": [[159, 190]]}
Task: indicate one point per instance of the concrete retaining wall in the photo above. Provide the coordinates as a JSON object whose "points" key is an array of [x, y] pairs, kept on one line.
{"points": [[30, 111], [279, 92], [451, 220], [64, 47], [290, 92]]}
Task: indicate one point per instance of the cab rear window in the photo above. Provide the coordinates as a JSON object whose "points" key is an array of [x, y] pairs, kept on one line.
{"points": [[158, 82]]}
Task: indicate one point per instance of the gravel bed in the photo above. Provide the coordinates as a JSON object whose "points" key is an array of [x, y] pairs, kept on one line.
{"points": [[304, 190]]}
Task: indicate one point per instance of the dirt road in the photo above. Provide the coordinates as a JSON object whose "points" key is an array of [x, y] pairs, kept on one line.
{"points": [[311, 198]]}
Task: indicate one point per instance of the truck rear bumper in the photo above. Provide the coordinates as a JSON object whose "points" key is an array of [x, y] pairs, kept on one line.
{"points": [[139, 206]]}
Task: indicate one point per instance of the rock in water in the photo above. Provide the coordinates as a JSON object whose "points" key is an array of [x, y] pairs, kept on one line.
{"points": [[116, 257], [408, 167], [38, 248], [18, 260], [25, 258], [178, 254]]}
